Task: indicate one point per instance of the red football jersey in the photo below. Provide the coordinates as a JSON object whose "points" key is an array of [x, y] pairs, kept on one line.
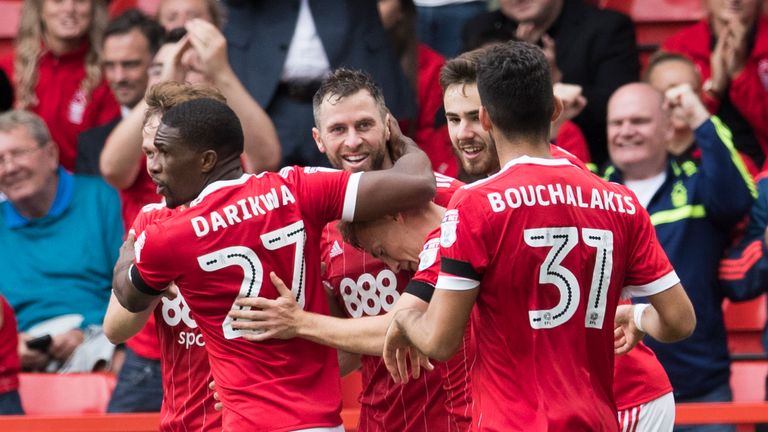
{"points": [[551, 248], [9, 345], [365, 286], [187, 402], [445, 186], [223, 247]]}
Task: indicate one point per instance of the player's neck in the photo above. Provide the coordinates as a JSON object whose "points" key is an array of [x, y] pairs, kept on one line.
{"points": [[510, 149]]}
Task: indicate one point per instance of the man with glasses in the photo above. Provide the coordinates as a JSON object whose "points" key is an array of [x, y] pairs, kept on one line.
{"points": [[59, 238]]}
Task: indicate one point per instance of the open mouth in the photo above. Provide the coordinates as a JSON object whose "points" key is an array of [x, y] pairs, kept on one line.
{"points": [[472, 151], [355, 159]]}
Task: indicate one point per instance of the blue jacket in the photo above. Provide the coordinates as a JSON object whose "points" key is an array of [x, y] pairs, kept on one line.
{"points": [[744, 271], [693, 212]]}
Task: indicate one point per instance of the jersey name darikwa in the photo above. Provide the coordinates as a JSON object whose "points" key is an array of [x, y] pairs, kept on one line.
{"points": [[242, 210]]}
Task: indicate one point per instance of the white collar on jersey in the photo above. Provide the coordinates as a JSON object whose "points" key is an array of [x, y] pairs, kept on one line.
{"points": [[525, 159], [218, 185]]}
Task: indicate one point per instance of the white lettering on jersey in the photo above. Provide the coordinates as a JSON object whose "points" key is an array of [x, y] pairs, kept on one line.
{"points": [[554, 194], [369, 294], [242, 210]]}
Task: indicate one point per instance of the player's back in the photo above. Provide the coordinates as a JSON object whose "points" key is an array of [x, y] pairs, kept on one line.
{"points": [[224, 247], [553, 243]]}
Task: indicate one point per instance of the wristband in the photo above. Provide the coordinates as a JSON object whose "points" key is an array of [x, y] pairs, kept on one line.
{"points": [[638, 315]]}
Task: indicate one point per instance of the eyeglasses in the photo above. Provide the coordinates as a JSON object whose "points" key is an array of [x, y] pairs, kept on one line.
{"points": [[17, 154]]}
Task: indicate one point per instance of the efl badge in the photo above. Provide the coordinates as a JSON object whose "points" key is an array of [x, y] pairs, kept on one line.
{"points": [[428, 255], [762, 72], [448, 228]]}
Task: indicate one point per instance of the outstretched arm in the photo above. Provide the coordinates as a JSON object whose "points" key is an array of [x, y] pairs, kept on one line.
{"points": [[282, 318]]}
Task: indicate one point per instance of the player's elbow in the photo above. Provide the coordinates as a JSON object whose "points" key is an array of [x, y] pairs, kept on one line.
{"points": [[112, 333]]}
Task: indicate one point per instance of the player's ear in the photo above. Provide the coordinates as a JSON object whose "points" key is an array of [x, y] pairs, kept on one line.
{"points": [[485, 119], [558, 109], [318, 141], [208, 160]]}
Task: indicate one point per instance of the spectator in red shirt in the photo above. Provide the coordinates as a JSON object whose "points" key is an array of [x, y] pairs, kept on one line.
{"points": [[730, 49], [55, 69]]}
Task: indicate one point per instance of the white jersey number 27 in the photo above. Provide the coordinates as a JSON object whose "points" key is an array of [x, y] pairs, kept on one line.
{"points": [[253, 272]]}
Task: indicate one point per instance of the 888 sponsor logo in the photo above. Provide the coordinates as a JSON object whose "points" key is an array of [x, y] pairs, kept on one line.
{"points": [[369, 294], [175, 311]]}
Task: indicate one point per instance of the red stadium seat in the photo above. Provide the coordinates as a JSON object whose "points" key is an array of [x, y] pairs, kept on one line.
{"points": [[744, 322], [58, 394], [149, 7], [10, 12], [351, 386], [748, 380]]}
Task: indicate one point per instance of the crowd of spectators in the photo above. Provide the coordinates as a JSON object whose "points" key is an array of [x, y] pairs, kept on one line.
{"points": [[688, 136]]}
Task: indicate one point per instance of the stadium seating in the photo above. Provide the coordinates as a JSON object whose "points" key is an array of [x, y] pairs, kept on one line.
{"points": [[60, 394], [745, 322]]}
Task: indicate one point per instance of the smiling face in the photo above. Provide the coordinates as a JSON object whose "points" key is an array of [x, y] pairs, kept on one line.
{"points": [[471, 143], [638, 131], [66, 20], [174, 167], [125, 61], [27, 169], [352, 133]]}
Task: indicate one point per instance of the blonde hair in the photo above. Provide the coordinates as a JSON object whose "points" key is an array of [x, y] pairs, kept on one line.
{"points": [[28, 50], [165, 95]]}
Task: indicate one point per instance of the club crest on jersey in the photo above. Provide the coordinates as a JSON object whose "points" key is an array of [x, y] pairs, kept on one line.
{"points": [[428, 254], [448, 228]]}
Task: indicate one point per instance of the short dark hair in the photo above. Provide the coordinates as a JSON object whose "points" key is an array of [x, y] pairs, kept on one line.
{"points": [[207, 124], [515, 88], [461, 70], [344, 82], [134, 19]]}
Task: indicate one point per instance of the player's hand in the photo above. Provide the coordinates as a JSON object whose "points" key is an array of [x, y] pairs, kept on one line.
{"points": [[218, 406], [626, 334], [399, 353], [278, 318], [396, 141], [64, 344]]}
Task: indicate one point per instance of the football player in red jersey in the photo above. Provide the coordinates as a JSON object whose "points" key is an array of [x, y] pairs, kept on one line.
{"points": [[589, 239], [642, 389], [350, 115], [187, 403], [239, 228]]}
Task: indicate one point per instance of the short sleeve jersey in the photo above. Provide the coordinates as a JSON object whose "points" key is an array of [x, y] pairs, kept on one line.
{"points": [[223, 247], [187, 401], [551, 248], [365, 286]]}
